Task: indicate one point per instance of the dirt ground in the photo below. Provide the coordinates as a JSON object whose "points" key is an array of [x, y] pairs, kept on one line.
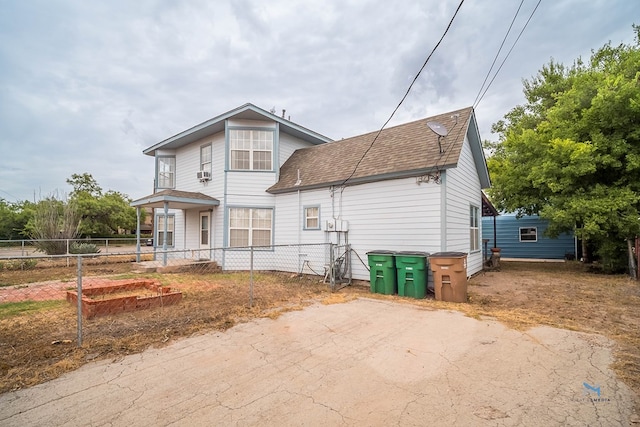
{"points": [[38, 343]]}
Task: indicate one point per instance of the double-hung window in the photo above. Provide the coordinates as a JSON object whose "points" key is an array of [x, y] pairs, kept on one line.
{"points": [[528, 234], [251, 149], [166, 172], [205, 158], [474, 229], [160, 228], [250, 227], [312, 218]]}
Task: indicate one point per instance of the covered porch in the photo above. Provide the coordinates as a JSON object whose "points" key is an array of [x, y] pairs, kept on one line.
{"points": [[162, 202]]}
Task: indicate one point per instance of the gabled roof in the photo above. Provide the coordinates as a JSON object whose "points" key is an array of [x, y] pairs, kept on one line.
{"points": [[176, 200], [406, 150], [244, 112]]}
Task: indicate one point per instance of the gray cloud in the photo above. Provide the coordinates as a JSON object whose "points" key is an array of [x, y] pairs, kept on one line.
{"points": [[86, 86]]}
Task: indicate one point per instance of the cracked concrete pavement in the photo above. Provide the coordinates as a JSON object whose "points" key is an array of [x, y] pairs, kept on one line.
{"points": [[366, 362]]}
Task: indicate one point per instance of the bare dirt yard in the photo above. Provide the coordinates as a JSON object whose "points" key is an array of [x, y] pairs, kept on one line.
{"points": [[38, 338]]}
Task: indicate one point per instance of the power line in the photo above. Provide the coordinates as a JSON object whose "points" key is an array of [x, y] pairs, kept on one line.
{"points": [[508, 53], [499, 50], [475, 104], [404, 97]]}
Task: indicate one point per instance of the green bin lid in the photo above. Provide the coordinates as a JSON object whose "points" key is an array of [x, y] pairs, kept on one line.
{"points": [[381, 252]]}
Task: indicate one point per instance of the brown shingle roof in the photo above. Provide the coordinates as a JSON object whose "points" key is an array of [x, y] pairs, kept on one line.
{"points": [[410, 149]]}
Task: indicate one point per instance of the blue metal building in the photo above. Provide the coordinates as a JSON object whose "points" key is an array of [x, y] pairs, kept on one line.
{"points": [[524, 238]]}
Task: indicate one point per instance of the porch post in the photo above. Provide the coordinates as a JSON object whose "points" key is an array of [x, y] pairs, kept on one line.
{"points": [[495, 240], [166, 228], [137, 233]]}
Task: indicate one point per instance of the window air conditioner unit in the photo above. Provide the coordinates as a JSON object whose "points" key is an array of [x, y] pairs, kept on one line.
{"points": [[203, 175]]}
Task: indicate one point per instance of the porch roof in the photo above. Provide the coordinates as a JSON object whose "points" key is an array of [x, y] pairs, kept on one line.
{"points": [[176, 200], [487, 207]]}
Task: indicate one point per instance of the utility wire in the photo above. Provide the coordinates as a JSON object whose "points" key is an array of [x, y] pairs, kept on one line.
{"points": [[475, 104], [508, 53], [404, 97], [498, 52]]}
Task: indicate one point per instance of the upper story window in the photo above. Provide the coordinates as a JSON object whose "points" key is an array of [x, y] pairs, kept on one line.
{"points": [[166, 172], [205, 158], [251, 149], [474, 229], [528, 234]]}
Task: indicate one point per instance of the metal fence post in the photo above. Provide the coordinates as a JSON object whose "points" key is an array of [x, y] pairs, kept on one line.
{"points": [[79, 290], [332, 271], [251, 278]]}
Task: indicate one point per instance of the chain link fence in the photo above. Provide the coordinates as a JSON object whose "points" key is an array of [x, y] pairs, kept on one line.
{"points": [[57, 308], [129, 281]]}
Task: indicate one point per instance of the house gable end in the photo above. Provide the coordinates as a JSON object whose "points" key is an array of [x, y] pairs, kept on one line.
{"points": [[244, 112]]}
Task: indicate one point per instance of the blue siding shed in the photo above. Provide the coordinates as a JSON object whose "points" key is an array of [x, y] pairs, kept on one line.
{"points": [[524, 238]]}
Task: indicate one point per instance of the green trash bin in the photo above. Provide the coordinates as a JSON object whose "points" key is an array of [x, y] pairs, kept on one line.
{"points": [[382, 272], [412, 274]]}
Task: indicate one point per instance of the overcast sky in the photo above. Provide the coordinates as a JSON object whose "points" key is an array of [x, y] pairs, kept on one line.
{"points": [[85, 86]]}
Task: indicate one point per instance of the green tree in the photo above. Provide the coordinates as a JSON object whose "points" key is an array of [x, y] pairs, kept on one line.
{"points": [[14, 218], [102, 213], [572, 153]]}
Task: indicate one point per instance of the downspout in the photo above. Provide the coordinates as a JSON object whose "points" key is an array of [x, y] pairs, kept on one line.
{"points": [[299, 223]]}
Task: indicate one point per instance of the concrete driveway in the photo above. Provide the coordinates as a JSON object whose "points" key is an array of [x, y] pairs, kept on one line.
{"points": [[364, 363]]}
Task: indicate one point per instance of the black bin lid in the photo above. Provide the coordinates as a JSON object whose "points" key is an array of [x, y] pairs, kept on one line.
{"points": [[413, 253], [448, 255]]}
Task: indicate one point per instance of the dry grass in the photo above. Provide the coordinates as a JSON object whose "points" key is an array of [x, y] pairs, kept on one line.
{"points": [[38, 341], [521, 295]]}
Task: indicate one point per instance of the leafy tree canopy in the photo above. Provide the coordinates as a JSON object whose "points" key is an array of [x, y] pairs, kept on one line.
{"points": [[14, 218], [102, 213], [571, 153]]}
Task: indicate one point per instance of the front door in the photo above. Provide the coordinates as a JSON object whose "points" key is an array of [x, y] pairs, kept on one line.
{"points": [[205, 234]]}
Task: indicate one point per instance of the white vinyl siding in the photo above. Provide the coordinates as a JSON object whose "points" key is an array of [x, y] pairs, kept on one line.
{"points": [[462, 190]]}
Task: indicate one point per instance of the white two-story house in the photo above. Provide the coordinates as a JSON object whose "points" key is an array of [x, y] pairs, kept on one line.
{"points": [[251, 178]]}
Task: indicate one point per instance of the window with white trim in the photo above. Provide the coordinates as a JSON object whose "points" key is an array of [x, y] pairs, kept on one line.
{"points": [[251, 149], [160, 230], [312, 218], [250, 227], [528, 234], [474, 228], [166, 172], [205, 158]]}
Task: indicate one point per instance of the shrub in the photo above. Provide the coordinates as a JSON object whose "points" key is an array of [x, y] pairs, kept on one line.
{"points": [[613, 256], [83, 248], [19, 264]]}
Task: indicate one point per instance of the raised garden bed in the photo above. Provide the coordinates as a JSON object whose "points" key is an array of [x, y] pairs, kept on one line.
{"points": [[120, 297]]}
